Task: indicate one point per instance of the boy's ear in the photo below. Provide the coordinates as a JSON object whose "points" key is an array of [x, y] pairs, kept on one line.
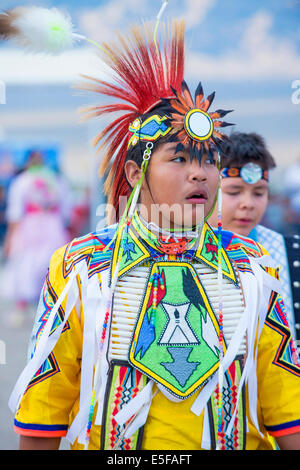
{"points": [[132, 172]]}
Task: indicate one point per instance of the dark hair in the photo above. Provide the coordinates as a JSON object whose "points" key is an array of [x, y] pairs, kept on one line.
{"points": [[242, 148]]}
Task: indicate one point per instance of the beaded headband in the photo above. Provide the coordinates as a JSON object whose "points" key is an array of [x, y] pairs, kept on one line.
{"points": [[185, 121], [251, 173], [150, 130]]}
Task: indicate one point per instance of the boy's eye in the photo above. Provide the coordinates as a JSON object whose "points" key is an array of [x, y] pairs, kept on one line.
{"points": [[178, 158], [210, 162]]}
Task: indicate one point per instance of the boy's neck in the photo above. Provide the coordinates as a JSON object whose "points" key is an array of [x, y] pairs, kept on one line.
{"points": [[188, 232], [163, 224]]}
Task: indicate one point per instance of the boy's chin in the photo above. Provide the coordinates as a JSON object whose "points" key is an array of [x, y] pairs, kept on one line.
{"points": [[175, 217], [190, 218]]}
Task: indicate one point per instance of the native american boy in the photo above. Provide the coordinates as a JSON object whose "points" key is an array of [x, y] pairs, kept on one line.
{"points": [[159, 332]]}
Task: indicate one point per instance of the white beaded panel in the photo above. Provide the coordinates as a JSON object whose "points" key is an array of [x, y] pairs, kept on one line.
{"points": [[128, 296]]}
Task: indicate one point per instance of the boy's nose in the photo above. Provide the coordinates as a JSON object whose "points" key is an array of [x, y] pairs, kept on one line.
{"points": [[247, 202], [197, 171]]}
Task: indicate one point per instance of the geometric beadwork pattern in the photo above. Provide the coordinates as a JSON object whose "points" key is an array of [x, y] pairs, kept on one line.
{"points": [[274, 243], [124, 384], [47, 301], [176, 344], [239, 248], [91, 248], [286, 356], [207, 251], [236, 440]]}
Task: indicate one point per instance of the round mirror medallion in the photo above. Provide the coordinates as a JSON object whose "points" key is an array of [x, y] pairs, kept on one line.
{"points": [[251, 173], [198, 124]]}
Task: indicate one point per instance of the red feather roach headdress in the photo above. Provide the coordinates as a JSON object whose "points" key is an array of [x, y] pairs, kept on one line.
{"points": [[155, 104], [142, 76]]}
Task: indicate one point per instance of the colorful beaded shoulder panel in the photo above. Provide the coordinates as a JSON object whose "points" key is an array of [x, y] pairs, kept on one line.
{"points": [[92, 246]]}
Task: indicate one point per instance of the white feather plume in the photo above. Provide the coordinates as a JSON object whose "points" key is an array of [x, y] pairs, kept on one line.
{"points": [[39, 29]]}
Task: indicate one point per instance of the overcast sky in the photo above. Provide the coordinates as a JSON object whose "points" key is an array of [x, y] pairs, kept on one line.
{"points": [[247, 51]]}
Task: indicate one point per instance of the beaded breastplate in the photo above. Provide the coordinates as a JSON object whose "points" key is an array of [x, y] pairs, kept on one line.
{"points": [[164, 319]]}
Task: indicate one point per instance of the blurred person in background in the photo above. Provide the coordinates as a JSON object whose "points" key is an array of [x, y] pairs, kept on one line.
{"points": [[8, 171], [2, 213], [246, 163], [80, 215], [37, 206]]}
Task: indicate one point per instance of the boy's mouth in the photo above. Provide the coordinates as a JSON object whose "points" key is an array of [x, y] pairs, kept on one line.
{"points": [[244, 220], [197, 197]]}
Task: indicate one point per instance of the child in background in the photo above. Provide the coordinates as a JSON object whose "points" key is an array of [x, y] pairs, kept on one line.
{"points": [[245, 169]]}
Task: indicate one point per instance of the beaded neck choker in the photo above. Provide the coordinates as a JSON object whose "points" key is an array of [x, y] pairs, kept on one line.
{"points": [[169, 242]]}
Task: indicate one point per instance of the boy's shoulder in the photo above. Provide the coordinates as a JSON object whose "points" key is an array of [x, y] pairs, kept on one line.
{"points": [[239, 247], [93, 246], [96, 249]]}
